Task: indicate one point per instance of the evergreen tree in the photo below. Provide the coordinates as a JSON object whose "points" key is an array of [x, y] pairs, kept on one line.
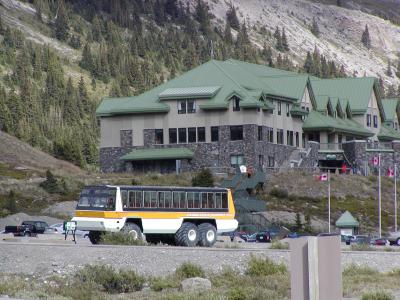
{"points": [[307, 225], [389, 69], [61, 26], [51, 183], [232, 18], [87, 59], [398, 69], [365, 38], [278, 38], [324, 68], [203, 17], [308, 64], [228, 34], [285, 44], [204, 178], [342, 72], [277, 33], [83, 96], [391, 92], [11, 204], [316, 62], [315, 28], [298, 224]]}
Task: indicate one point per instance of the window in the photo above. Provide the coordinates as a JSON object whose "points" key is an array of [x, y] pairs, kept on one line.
{"points": [[164, 199], [182, 135], [279, 136], [201, 134], [237, 160], [124, 198], [214, 133], [179, 200], [271, 161], [192, 134], [297, 140], [303, 140], [159, 136], [260, 133], [135, 199], [172, 136], [182, 107], [279, 108], [369, 120], [191, 106], [224, 200], [150, 199], [270, 135], [236, 133], [375, 121], [236, 104], [193, 200], [261, 160], [207, 200], [287, 109], [289, 137]]}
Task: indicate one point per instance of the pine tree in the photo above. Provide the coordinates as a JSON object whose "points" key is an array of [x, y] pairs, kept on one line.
{"points": [[308, 64], [365, 38], [87, 59], [389, 69], [398, 69], [298, 224], [278, 38], [285, 45], [96, 29], [11, 204], [204, 178], [316, 62], [324, 68], [391, 92], [307, 225], [228, 34], [315, 28], [203, 17], [232, 18], [342, 72], [83, 95], [61, 26], [277, 33]]}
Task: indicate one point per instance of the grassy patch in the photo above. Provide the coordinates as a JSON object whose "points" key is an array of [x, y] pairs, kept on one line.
{"points": [[279, 245], [361, 247], [264, 267], [377, 296], [120, 238], [8, 171], [189, 270]]}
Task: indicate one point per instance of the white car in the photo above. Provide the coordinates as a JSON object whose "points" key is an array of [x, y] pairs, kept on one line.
{"points": [[59, 228]]}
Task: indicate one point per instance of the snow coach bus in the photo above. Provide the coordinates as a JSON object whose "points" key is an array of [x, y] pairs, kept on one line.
{"points": [[188, 216]]}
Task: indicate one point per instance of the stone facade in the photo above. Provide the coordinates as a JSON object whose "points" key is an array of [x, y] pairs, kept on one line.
{"points": [[126, 138]]}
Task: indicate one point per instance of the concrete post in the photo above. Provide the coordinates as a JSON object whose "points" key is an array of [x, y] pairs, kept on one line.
{"points": [[316, 268]]}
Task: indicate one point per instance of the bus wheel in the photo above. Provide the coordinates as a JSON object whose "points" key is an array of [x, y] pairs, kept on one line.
{"points": [[207, 235], [187, 235], [133, 230], [94, 237]]}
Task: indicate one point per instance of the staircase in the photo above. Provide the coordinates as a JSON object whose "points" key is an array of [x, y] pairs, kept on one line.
{"points": [[251, 222]]}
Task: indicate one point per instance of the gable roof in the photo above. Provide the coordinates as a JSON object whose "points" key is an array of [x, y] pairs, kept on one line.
{"points": [[387, 133], [347, 220], [390, 108]]}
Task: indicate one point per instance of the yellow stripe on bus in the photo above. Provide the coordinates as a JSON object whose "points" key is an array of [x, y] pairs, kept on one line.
{"points": [[151, 214]]}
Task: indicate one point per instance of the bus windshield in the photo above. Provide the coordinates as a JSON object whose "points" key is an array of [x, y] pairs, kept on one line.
{"points": [[97, 198]]}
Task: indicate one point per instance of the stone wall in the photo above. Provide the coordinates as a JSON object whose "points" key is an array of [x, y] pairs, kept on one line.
{"points": [[126, 138], [310, 159]]}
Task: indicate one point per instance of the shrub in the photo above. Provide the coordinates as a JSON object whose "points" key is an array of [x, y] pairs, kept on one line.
{"points": [[120, 238], [189, 270], [236, 294], [377, 296], [51, 183], [279, 245], [110, 280], [361, 247], [11, 203], [203, 178], [354, 270], [278, 193], [158, 284], [264, 267]]}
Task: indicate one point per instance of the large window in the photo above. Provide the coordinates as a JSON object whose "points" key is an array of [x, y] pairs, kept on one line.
{"points": [[375, 121], [159, 136], [207, 200], [182, 135], [214, 133], [289, 137], [193, 200], [260, 133], [182, 107], [172, 136], [236, 133], [150, 199], [97, 199], [201, 134], [279, 136], [368, 120], [164, 199], [191, 106], [279, 108], [179, 200], [237, 160], [134, 199], [236, 104], [192, 134], [270, 135]]}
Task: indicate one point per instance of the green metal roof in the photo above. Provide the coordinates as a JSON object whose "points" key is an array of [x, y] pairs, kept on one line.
{"points": [[296, 110], [388, 134], [189, 92], [347, 220], [390, 108], [158, 154], [317, 121]]}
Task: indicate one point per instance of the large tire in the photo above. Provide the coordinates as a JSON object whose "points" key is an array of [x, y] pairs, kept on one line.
{"points": [[187, 235], [134, 230], [94, 237], [207, 235]]}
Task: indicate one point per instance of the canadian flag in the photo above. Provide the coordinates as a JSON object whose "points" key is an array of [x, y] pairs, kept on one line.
{"points": [[375, 160], [390, 172], [323, 177]]}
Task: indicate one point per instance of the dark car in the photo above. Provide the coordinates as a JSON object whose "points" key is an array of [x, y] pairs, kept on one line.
{"points": [[27, 228], [263, 237]]}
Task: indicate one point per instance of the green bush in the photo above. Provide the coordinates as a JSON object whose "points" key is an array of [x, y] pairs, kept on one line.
{"points": [[236, 294], [355, 270], [189, 270], [377, 296], [120, 238], [361, 247], [279, 193], [264, 267], [110, 280], [279, 245], [51, 184], [160, 283], [204, 178]]}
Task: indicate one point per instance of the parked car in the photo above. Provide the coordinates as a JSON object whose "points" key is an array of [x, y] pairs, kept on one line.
{"points": [[251, 238], [27, 228], [263, 237], [362, 239], [379, 241], [394, 238], [295, 235], [59, 228], [348, 239]]}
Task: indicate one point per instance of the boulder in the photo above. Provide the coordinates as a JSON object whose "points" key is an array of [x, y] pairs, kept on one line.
{"points": [[195, 284]]}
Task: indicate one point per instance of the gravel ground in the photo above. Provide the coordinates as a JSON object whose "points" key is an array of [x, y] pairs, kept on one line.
{"points": [[52, 255]]}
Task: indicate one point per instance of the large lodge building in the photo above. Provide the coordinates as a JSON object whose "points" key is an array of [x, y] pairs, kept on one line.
{"points": [[228, 113]]}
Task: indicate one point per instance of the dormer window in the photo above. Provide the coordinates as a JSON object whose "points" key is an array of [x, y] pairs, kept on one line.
{"points": [[186, 106], [236, 104]]}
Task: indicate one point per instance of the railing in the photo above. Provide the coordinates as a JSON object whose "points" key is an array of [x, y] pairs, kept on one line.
{"points": [[330, 146], [379, 145]]}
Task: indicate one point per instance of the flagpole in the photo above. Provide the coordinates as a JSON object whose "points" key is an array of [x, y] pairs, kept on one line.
{"points": [[329, 201], [379, 195], [395, 198]]}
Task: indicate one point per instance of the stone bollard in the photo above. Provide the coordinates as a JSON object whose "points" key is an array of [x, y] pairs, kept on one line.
{"points": [[316, 272]]}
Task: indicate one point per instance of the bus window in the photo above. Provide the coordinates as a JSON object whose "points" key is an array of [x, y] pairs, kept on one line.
{"points": [[224, 200], [218, 200], [196, 202], [168, 199], [98, 198], [190, 199], [138, 199], [179, 200], [204, 200], [210, 200], [124, 198], [150, 199], [182, 203]]}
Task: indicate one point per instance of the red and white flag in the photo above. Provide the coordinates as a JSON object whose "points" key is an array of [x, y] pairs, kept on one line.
{"points": [[323, 177], [375, 160], [390, 172]]}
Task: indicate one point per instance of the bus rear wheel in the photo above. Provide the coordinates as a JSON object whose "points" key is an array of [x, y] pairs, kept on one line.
{"points": [[187, 235], [94, 237], [133, 230], [207, 235]]}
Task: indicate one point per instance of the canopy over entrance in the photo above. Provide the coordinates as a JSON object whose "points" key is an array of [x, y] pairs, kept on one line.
{"points": [[158, 154]]}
